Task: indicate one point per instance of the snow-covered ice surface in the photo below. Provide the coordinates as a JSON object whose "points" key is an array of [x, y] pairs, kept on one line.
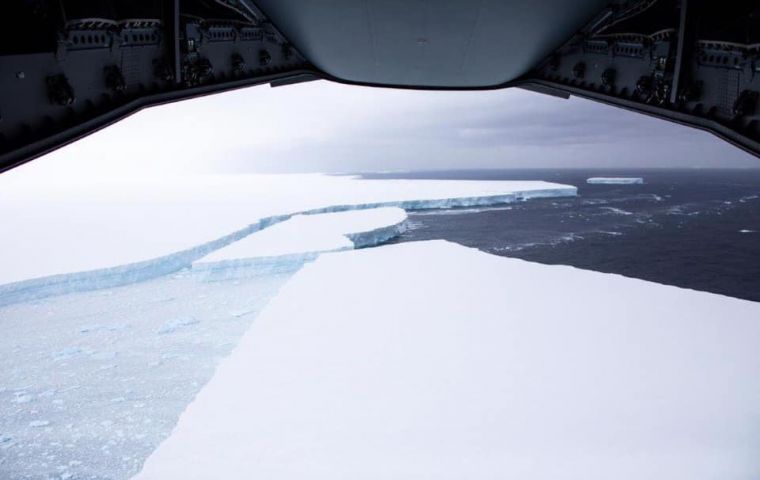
{"points": [[287, 245], [615, 180], [70, 237], [92, 380], [432, 360]]}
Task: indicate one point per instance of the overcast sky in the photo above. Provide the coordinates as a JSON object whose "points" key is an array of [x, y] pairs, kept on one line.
{"points": [[327, 127]]}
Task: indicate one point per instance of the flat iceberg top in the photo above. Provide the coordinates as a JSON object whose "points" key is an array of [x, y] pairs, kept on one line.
{"points": [[56, 228], [616, 180], [309, 233], [432, 360]]}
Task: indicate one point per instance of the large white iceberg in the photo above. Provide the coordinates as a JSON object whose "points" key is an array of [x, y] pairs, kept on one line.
{"points": [[615, 180], [138, 350], [432, 360], [114, 234]]}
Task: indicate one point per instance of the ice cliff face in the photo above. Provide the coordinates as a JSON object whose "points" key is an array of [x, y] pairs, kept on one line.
{"points": [[377, 236], [156, 267]]}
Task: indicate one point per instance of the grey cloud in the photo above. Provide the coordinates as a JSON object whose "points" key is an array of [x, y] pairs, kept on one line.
{"points": [[327, 127]]}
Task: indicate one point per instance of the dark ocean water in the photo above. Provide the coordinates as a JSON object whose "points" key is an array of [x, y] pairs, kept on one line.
{"points": [[697, 229]]}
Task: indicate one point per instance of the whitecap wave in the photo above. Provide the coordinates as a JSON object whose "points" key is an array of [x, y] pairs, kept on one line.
{"points": [[616, 211]]}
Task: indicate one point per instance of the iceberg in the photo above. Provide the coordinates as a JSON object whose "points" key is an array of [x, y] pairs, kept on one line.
{"points": [[138, 348], [20, 280], [432, 360], [615, 180], [80, 225]]}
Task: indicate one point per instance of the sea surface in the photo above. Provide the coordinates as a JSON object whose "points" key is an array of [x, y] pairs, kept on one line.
{"points": [[696, 229]]}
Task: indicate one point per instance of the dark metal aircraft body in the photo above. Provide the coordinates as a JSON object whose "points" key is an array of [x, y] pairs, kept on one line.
{"points": [[69, 67]]}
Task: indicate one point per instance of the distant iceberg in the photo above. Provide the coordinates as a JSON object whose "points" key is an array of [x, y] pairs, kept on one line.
{"points": [[615, 181]]}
